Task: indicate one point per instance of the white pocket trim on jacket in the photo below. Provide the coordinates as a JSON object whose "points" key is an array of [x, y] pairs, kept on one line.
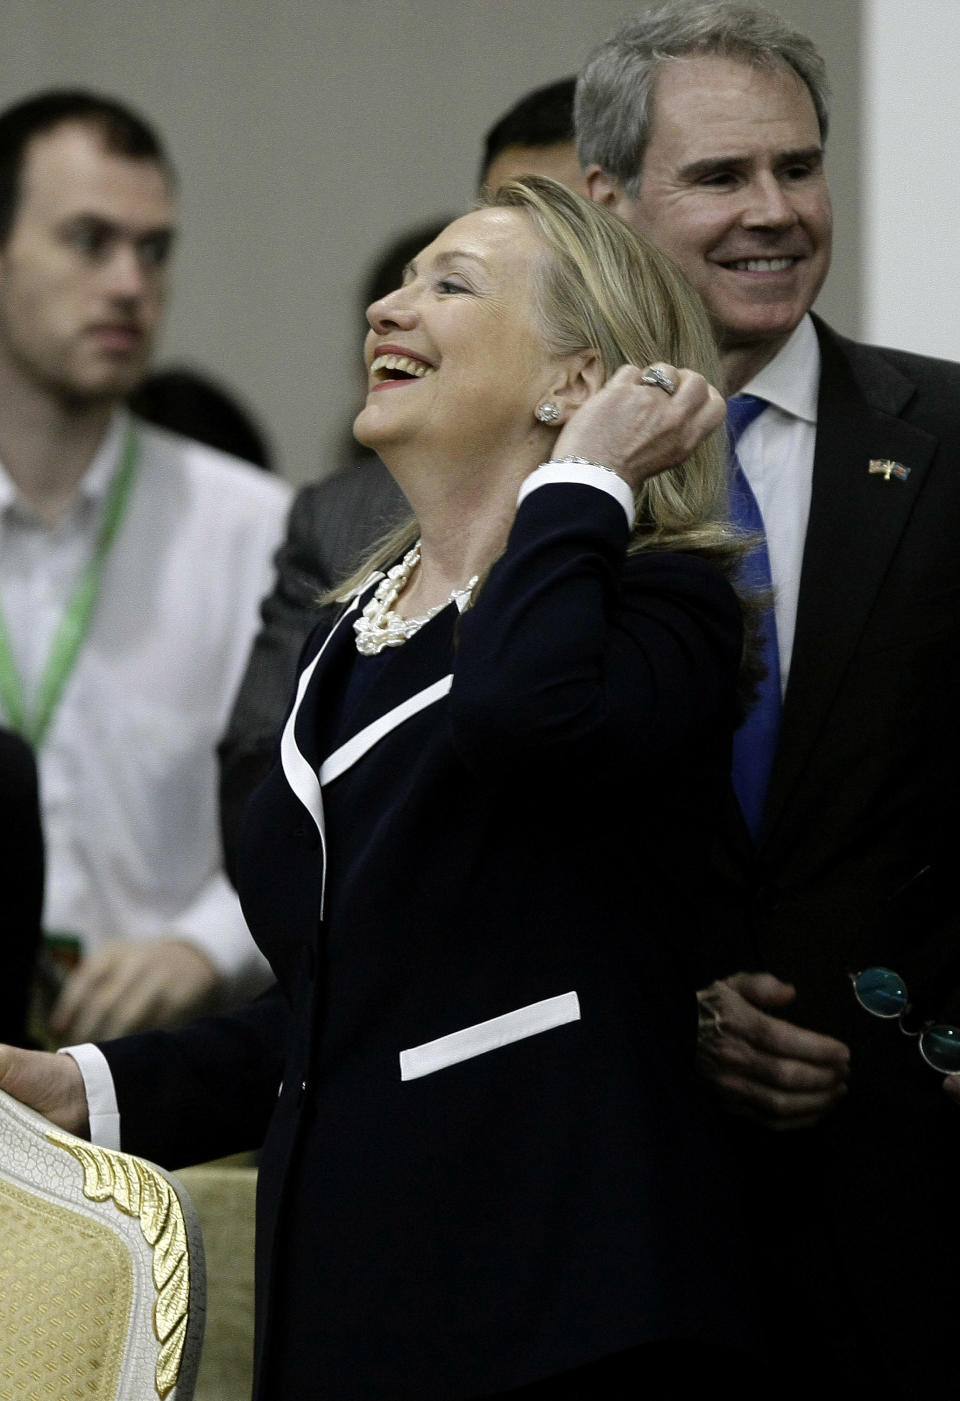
{"points": [[489, 1036]]}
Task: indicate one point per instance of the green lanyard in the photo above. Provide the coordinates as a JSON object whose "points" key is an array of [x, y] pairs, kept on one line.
{"points": [[75, 623]]}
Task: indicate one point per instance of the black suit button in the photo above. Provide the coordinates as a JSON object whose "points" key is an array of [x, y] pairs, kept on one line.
{"points": [[306, 833]]}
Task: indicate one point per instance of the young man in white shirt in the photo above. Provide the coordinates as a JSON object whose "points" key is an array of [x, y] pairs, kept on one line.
{"points": [[131, 566]]}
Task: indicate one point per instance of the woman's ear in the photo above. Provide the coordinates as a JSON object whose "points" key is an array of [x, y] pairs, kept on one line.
{"points": [[582, 378]]}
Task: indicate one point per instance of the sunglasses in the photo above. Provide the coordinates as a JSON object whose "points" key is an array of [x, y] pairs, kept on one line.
{"points": [[883, 993]]}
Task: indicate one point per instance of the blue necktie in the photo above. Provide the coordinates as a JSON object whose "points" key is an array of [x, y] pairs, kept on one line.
{"points": [[755, 741]]}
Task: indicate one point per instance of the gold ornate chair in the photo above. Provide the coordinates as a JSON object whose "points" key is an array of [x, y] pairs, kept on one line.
{"points": [[102, 1284]]}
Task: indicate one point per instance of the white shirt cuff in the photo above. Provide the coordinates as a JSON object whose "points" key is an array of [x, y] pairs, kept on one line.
{"points": [[101, 1094], [581, 474]]}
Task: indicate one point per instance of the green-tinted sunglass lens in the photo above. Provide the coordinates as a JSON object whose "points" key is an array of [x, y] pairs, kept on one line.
{"points": [[881, 992], [940, 1046]]}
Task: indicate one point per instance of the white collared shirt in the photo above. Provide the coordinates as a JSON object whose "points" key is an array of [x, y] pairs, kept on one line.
{"points": [[776, 453], [128, 774]]}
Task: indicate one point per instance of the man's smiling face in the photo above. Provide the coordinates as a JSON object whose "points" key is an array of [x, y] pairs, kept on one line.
{"points": [[733, 188]]}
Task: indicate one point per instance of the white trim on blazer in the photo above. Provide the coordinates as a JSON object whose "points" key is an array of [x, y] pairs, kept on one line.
{"points": [[297, 769], [489, 1035], [343, 758], [308, 785]]}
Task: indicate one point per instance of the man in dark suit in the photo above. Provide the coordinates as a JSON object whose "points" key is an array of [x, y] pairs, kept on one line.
{"points": [[703, 127]]}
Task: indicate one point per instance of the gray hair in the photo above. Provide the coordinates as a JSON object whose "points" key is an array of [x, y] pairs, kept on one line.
{"points": [[612, 109]]}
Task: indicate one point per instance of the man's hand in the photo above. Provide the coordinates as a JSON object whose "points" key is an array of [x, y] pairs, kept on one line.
{"points": [[638, 430], [951, 1085], [761, 1065], [132, 986], [48, 1083]]}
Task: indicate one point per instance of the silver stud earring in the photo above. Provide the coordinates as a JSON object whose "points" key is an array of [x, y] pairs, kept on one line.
{"points": [[548, 412]]}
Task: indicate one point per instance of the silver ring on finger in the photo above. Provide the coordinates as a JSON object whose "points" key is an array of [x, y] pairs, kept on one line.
{"points": [[658, 380]]}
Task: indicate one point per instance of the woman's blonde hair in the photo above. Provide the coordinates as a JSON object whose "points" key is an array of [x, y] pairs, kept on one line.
{"points": [[602, 286], [607, 288]]}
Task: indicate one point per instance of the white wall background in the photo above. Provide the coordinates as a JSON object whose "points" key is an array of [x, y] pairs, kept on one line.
{"points": [[911, 175], [309, 132]]}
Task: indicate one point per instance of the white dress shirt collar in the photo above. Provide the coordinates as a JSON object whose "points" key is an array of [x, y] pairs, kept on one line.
{"points": [[96, 479], [95, 482], [791, 381]]}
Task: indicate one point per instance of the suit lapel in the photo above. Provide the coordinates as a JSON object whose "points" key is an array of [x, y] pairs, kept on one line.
{"points": [[305, 744], [856, 522], [349, 753], [300, 742]]}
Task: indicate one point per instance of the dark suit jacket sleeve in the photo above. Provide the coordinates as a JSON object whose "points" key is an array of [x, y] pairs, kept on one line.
{"points": [[205, 1090], [576, 656], [332, 524], [21, 840]]}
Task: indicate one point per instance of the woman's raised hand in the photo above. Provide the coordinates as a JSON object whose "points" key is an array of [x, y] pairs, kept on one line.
{"points": [[638, 429]]}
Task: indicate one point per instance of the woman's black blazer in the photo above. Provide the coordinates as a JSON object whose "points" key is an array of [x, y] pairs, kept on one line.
{"points": [[475, 872]]}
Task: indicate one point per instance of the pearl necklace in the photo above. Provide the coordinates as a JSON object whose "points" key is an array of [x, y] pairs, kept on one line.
{"points": [[378, 626]]}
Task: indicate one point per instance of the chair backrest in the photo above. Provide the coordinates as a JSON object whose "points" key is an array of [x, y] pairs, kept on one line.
{"points": [[102, 1281]]}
